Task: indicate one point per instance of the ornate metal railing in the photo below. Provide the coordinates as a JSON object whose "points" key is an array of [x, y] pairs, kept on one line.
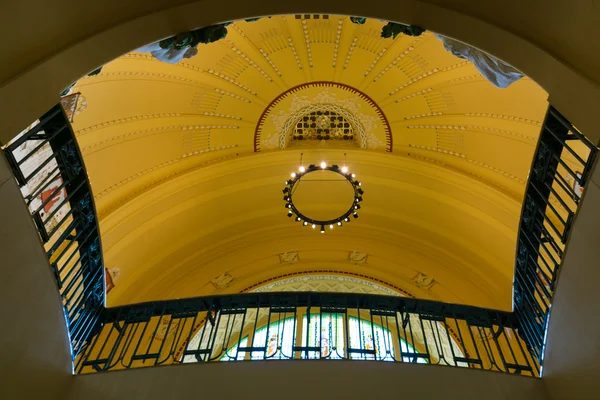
{"points": [[560, 171], [273, 326], [49, 170]]}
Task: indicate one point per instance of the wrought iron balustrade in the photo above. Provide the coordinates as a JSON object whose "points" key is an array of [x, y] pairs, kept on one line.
{"points": [[49, 170], [561, 169], [274, 326]]}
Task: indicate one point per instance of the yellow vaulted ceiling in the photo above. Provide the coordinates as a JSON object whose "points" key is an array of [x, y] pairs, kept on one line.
{"points": [[187, 164]]}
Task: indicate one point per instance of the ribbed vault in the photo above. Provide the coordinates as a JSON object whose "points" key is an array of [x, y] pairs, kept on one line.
{"points": [[187, 176]]}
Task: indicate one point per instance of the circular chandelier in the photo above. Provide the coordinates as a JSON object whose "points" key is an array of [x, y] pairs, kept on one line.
{"points": [[288, 194]]}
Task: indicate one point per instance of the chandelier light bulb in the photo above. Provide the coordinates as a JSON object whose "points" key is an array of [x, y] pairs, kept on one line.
{"points": [[340, 223], [293, 174], [314, 226], [331, 226], [344, 169], [323, 164], [302, 169], [305, 223], [322, 228], [354, 176]]}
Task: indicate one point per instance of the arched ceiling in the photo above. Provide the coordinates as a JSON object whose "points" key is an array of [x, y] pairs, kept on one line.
{"points": [[187, 162]]}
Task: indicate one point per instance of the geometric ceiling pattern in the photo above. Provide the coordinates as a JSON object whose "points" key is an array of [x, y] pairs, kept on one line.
{"points": [[325, 283], [187, 161]]}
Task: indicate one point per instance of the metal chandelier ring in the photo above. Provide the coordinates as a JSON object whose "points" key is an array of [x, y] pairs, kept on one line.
{"points": [[300, 217]]}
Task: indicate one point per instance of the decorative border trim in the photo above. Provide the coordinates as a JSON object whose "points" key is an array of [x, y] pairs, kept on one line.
{"points": [[362, 95], [331, 272]]}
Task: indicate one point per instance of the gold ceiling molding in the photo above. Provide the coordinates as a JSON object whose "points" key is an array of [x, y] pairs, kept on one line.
{"points": [[274, 110], [338, 35], [506, 117], [375, 61], [350, 51], [108, 208], [410, 96], [216, 74], [484, 165], [213, 114], [130, 74], [396, 60], [431, 114], [487, 181], [293, 48], [472, 128], [156, 167], [266, 56], [462, 79], [124, 121], [225, 78], [432, 72], [307, 41], [92, 147], [249, 61], [235, 96]]}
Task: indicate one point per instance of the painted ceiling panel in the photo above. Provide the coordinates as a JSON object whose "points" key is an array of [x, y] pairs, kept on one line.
{"points": [[187, 162]]}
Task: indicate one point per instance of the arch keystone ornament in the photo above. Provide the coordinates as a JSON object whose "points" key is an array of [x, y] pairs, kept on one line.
{"points": [[291, 184]]}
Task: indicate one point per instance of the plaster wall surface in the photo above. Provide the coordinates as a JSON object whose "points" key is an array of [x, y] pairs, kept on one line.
{"points": [[571, 367], [306, 379], [35, 359]]}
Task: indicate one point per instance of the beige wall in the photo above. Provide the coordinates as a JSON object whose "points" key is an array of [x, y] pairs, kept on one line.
{"points": [[54, 42], [572, 366], [35, 361], [306, 380]]}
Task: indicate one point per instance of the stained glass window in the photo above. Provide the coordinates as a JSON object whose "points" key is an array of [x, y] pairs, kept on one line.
{"points": [[324, 336], [277, 339], [233, 353], [325, 331]]}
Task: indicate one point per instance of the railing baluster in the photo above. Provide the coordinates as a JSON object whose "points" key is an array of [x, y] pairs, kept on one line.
{"points": [[55, 156], [535, 278]]}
